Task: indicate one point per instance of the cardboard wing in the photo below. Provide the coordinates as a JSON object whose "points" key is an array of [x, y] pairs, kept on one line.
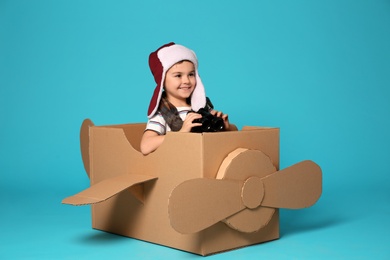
{"points": [[107, 188]]}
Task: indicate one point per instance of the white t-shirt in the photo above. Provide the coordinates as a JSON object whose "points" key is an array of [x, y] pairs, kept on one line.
{"points": [[157, 122]]}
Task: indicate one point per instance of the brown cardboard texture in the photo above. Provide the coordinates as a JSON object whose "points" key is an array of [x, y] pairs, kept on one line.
{"points": [[201, 193]]}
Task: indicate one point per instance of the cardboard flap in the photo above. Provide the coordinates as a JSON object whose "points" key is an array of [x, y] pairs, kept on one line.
{"points": [[106, 189], [84, 143]]}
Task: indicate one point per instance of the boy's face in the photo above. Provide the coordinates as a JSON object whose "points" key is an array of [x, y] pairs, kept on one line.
{"points": [[180, 82]]}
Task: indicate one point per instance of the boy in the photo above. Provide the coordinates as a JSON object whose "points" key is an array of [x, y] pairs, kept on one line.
{"points": [[179, 91]]}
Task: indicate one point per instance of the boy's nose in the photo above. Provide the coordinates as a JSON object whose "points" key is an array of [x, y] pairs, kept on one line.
{"points": [[186, 79]]}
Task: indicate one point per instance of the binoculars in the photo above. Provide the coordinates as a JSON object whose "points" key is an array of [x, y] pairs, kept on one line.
{"points": [[209, 122]]}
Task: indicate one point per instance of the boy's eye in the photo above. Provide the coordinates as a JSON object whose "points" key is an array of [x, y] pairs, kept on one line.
{"points": [[192, 74]]}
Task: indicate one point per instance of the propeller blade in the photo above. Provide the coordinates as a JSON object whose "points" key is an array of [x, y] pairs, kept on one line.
{"points": [[298, 186], [197, 204]]}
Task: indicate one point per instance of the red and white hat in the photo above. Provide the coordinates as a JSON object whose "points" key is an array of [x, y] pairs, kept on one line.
{"points": [[161, 61]]}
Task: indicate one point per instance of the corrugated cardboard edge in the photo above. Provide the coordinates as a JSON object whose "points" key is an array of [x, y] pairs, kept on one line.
{"points": [[226, 162]]}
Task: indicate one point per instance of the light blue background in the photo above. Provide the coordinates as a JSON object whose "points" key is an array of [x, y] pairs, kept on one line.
{"points": [[319, 70]]}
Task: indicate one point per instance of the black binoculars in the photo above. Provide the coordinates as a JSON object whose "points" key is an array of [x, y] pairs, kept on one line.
{"points": [[209, 122]]}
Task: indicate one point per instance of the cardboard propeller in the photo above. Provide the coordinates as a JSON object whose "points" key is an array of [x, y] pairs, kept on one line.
{"points": [[244, 198]]}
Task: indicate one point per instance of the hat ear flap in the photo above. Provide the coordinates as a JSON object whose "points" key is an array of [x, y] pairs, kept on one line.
{"points": [[198, 98], [153, 106]]}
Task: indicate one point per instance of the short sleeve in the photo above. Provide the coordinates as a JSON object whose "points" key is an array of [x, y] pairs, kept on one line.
{"points": [[157, 124]]}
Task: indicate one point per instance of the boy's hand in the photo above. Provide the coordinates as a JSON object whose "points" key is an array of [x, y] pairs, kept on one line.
{"points": [[188, 122], [225, 118]]}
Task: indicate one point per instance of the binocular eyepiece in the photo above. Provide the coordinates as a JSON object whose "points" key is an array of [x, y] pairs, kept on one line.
{"points": [[209, 122]]}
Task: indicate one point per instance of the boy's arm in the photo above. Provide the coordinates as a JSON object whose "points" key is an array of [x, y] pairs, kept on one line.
{"points": [[150, 141]]}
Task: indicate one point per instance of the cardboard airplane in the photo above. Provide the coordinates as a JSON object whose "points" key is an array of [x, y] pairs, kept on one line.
{"points": [[199, 192]]}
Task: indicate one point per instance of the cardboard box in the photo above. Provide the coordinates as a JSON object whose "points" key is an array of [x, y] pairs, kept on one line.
{"points": [[201, 193]]}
